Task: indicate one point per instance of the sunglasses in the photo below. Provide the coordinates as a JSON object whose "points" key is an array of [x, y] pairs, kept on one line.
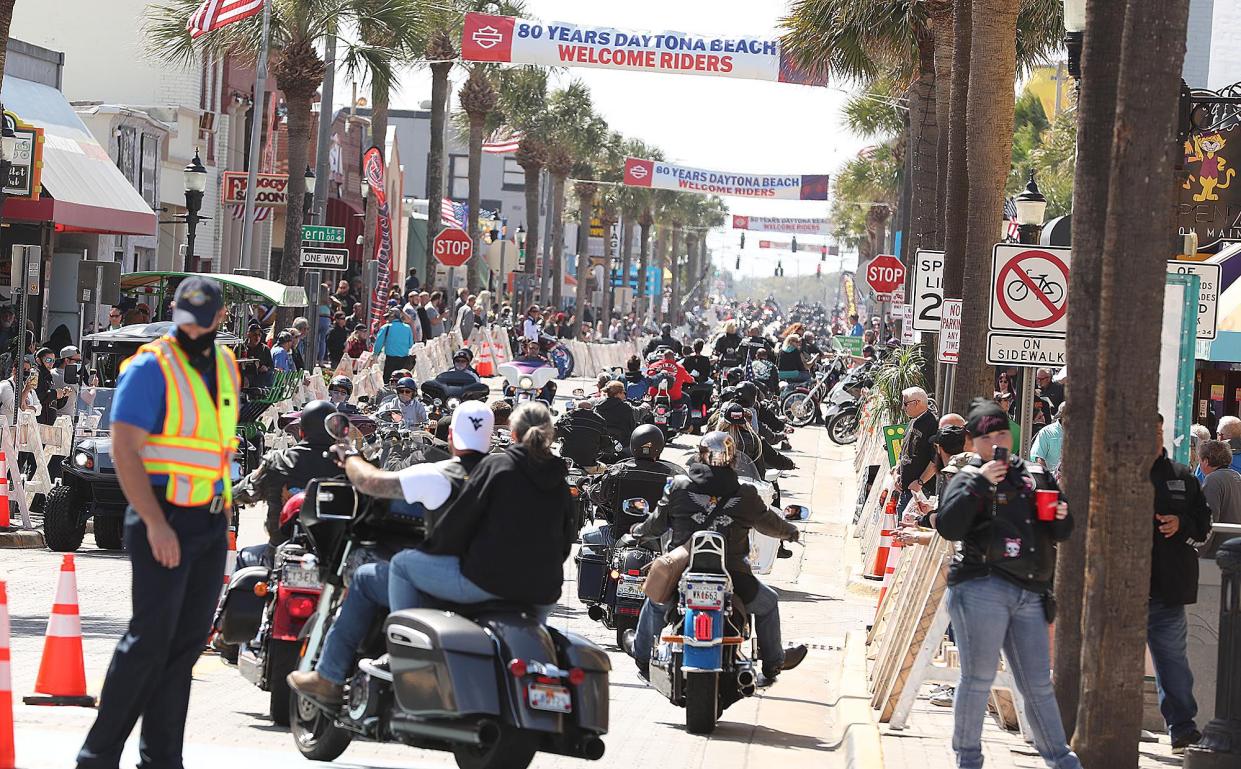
{"points": [[404, 390], [340, 390], [114, 315]]}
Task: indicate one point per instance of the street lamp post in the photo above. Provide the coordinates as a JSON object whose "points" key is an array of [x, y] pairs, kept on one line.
{"points": [[195, 184], [1074, 32], [1031, 208], [308, 197], [1220, 745]]}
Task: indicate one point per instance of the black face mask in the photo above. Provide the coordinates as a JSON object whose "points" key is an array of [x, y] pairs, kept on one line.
{"points": [[195, 346]]}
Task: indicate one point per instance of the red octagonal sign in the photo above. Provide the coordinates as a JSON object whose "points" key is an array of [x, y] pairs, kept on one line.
{"points": [[452, 247], [884, 274]]}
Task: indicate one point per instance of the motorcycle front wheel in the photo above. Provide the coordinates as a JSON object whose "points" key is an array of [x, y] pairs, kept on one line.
{"points": [[798, 408], [513, 749], [702, 699], [315, 732], [843, 427]]}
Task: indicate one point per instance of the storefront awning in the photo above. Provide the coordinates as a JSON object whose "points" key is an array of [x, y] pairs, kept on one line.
{"points": [[84, 190], [1224, 348]]}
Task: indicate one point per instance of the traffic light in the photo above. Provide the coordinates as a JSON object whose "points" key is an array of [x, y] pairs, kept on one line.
{"points": [[794, 244], [743, 240], [818, 271], [822, 253], [738, 267]]}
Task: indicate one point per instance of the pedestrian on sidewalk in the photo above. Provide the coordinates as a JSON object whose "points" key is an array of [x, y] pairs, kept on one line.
{"points": [[1221, 486], [999, 594], [917, 465], [394, 340], [1229, 431], [1182, 517]]}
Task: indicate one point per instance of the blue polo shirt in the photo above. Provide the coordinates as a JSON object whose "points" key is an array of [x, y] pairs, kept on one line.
{"points": [[141, 401], [395, 339]]}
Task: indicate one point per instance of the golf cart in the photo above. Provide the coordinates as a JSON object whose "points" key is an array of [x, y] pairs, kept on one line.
{"points": [[88, 486]]}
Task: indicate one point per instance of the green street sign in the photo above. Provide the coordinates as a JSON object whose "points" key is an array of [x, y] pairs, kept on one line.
{"points": [[318, 233]]}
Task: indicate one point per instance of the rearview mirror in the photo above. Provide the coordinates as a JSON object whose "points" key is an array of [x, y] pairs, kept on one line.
{"points": [[635, 506], [796, 512], [337, 426], [579, 392]]}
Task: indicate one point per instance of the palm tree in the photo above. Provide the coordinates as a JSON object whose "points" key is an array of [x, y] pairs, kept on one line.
{"points": [[478, 98], [610, 168], [295, 28], [573, 129], [523, 106], [635, 203]]}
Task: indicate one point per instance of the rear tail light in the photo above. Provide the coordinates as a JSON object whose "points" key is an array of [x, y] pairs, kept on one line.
{"points": [[704, 629], [517, 668], [260, 589], [577, 676], [635, 572], [301, 607]]}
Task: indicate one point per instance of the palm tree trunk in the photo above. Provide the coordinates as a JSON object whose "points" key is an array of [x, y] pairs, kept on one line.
{"points": [[435, 163], [533, 180], [924, 223], [674, 264], [1096, 113], [556, 268], [6, 19], [289, 269], [990, 136], [476, 267], [644, 264], [944, 43], [1135, 247], [581, 272], [379, 133], [605, 290], [626, 252], [658, 262], [957, 184]]}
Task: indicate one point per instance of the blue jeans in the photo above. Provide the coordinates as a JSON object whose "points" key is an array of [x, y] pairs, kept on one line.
{"points": [[439, 576], [368, 594], [1166, 631], [764, 609], [990, 613], [325, 326]]}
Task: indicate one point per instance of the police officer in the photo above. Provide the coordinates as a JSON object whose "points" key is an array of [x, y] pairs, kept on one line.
{"points": [[174, 420]]}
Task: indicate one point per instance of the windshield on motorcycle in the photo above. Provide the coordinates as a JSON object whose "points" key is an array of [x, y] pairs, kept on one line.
{"points": [[93, 412], [746, 467]]}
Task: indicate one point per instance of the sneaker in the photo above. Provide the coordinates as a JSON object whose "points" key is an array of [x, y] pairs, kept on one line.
{"points": [[944, 697], [316, 687], [1180, 743]]}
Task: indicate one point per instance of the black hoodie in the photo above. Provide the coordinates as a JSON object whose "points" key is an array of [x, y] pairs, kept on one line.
{"points": [[513, 526]]}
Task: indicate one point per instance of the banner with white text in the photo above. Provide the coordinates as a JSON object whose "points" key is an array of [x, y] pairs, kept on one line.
{"points": [[557, 44], [666, 176], [781, 224]]}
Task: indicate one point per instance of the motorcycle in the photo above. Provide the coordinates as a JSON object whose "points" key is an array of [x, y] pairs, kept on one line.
{"points": [[262, 616], [487, 682], [669, 420], [802, 404], [844, 405], [442, 396], [609, 578], [699, 404], [525, 382]]}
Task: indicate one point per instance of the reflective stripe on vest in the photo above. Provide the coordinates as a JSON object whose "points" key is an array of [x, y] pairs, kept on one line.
{"points": [[192, 449]]}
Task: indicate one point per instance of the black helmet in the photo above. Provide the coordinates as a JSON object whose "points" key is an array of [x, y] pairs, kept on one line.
{"points": [[646, 442], [666, 329], [343, 382], [734, 375], [311, 423], [463, 353], [747, 394], [734, 414]]}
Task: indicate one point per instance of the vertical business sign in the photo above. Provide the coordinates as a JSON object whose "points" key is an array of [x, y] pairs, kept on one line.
{"points": [[373, 167], [950, 331]]}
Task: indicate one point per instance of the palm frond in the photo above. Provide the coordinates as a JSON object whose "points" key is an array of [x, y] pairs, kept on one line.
{"points": [[902, 369]]}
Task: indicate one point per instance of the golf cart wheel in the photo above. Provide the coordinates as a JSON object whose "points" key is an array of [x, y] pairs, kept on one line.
{"points": [[110, 532], [799, 409], [513, 748], [63, 528], [843, 427]]}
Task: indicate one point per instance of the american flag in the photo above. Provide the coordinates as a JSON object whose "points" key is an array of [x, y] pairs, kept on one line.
{"points": [[213, 14], [260, 213], [502, 141], [1010, 216], [453, 214]]}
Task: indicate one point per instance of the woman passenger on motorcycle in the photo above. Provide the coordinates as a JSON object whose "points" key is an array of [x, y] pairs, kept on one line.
{"points": [[507, 535], [636, 383], [621, 417], [697, 364], [790, 364]]}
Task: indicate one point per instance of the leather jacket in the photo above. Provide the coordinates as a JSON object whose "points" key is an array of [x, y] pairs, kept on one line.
{"points": [[628, 479], [289, 470]]}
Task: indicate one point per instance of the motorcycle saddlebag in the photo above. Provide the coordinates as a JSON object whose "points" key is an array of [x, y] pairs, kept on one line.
{"points": [[242, 610], [590, 701], [592, 563], [442, 664]]}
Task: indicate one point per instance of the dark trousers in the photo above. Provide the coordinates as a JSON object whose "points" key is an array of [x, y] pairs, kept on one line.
{"points": [[151, 667], [394, 363]]}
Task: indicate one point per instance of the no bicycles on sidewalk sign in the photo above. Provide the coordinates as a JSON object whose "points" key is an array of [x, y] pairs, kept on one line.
{"points": [[1029, 300]]}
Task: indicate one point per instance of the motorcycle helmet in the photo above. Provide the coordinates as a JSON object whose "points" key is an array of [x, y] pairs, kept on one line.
{"points": [[341, 383], [717, 449], [734, 375], [407, 383], [646, 442], [464, 352], [311, 422], [734, 414], [747, 394]]}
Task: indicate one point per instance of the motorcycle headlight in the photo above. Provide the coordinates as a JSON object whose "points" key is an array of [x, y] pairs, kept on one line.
{"points": [[436, 402], [84, 460], [525, 383], [452, 403]]}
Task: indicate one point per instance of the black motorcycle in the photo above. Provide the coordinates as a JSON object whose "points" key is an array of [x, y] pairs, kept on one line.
{"points": [[487, 682], [609, 578], [844, 403]]}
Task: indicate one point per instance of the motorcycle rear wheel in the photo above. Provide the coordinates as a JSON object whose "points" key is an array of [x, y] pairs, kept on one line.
{"points": [[514, 749], [799, 409], [315, 732], [702, 700], [843, 428]]}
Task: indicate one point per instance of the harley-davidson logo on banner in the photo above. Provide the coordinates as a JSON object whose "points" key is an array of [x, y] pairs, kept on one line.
{"points": [[557, 44], [780, 224], [665, 176]]}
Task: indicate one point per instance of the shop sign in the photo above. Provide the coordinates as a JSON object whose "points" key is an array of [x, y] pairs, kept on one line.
{"points": [[1208, 202], [271, 189], [26, 165]]}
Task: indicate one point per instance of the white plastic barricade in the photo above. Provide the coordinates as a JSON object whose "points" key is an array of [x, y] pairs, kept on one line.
{"points": [[422, 363], [17, 482]]}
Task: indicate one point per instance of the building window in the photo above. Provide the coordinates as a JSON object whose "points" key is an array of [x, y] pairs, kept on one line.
{"points": [[514, 175], [148, 171], [126, 141], [459, 177]]}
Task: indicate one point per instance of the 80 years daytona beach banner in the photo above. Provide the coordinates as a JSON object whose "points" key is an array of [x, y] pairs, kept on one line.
{"points": [[780, 224], [665, 176], [557, 44]]}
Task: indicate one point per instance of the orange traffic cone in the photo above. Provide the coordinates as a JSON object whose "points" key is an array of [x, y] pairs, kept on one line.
{"points": [[5, 521], [7, 759], [894, 559], [885, 539], [230, 558], [486, 363], [62, 671]]}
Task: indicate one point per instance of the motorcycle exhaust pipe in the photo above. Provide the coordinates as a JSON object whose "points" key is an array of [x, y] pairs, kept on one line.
{"points": [[595, 612], [745, 682], [591, 748], [478, 733]]}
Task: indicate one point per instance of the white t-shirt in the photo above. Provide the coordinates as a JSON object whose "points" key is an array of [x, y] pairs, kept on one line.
{"points": [[426, 483], [530, 329]]}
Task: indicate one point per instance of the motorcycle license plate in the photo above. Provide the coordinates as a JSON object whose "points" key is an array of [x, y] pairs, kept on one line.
{"points": [[555, 699], [627, 589], [704, 596], [299, 576]]}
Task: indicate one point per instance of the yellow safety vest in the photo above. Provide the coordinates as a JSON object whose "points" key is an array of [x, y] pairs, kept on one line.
{"points": [[199, 434]]}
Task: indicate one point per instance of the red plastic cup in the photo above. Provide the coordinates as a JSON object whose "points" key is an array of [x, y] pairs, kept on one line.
{"points": [[1045, 501]]}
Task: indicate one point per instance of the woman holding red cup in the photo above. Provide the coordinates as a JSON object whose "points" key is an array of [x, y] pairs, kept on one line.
{"points": [[1008, 516]]}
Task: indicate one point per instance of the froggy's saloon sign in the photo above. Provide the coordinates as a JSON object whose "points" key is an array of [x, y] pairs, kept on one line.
{"points": [[1209, 200]]}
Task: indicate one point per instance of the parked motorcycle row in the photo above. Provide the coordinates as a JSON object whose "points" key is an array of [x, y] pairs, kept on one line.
{"points": [[488, 682]]}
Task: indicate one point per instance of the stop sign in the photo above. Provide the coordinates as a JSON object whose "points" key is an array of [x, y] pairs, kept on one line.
{"points": [[452, 247], [883, 274]]}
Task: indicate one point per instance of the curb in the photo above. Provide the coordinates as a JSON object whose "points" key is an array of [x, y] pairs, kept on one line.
{"points": [[23, 539], [854, 722]]}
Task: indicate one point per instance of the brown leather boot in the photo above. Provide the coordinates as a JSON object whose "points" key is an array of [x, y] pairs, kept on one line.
{"points": [[316, 687]]}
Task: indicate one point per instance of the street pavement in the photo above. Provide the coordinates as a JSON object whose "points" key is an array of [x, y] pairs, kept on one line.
{"points": [[794, 723]]}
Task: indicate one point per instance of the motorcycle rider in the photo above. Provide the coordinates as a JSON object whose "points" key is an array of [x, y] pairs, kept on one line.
{"points": [[675, 373], [752, 343], [636, 383], [584, 435], [284, 471], [460, 373], [687, 499], [665, 339], [436, 485], [726, 346], [618, 414], [338, 392], [405, 406], [697, 364], [644, 475]]}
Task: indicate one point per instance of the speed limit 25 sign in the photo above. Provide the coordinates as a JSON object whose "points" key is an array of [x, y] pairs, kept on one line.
{"points": [[928, 290]]}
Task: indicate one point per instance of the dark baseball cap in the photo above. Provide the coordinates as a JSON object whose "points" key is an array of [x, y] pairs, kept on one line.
{"points": [[198, 301]]}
